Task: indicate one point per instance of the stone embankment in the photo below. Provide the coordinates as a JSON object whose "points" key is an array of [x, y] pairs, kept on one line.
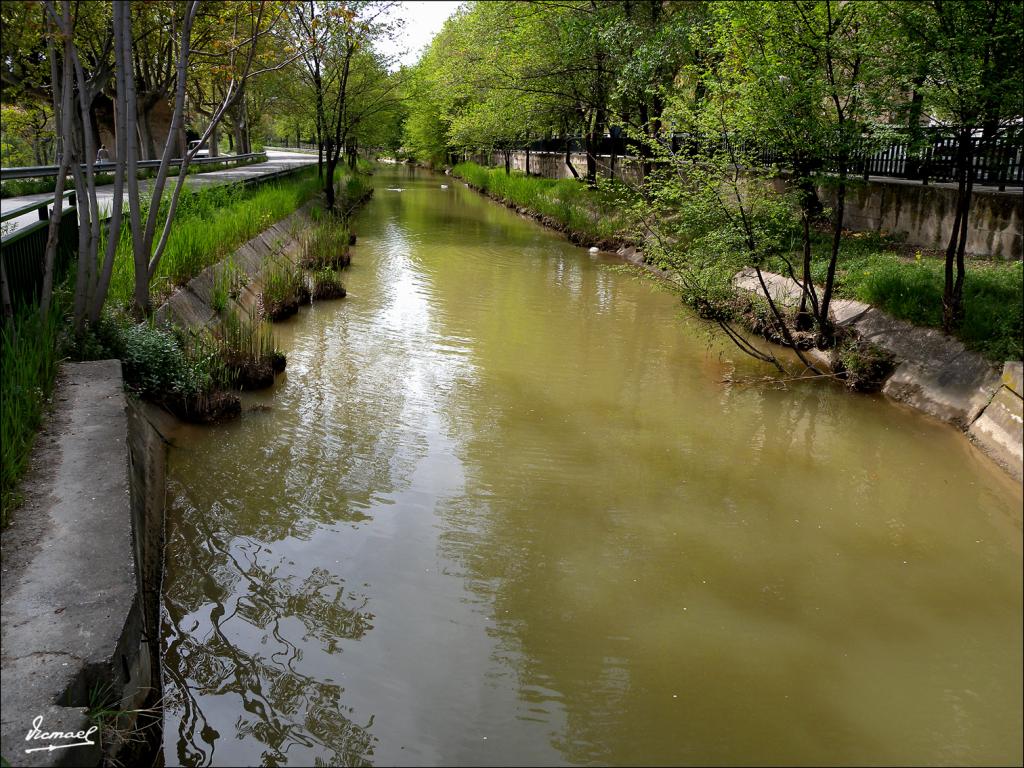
{"points": [[935, 373]]}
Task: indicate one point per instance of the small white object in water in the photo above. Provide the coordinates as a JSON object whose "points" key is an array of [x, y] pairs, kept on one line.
{"points": [[395, 189], [444, 186], [593, 249]]}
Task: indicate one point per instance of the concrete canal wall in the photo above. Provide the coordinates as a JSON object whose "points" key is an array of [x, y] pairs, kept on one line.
{"points": [[935, 373], [79, 626]]}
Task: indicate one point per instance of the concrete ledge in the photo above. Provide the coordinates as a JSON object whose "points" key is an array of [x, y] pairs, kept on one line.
{"points": [[72, 617], [936, 373], [998, 430]]}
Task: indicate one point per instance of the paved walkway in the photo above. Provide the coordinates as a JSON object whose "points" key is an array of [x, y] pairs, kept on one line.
{"points": [[276, 161]]}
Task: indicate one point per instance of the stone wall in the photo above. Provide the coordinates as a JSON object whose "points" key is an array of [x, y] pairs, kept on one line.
{"points": [[924, 214], [552, 165], [1000, 427]]}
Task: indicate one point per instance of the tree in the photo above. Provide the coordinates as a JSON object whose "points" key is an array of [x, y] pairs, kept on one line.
{"points": [[78, 74], [968, 54]]}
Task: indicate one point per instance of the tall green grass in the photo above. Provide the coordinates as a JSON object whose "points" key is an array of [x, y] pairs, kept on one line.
{"points": [[325, 244], [592, 212], [28, 358], [209, 225], [910, 288]]}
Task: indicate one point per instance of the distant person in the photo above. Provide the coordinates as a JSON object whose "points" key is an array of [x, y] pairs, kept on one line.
{"points": [[103, 156]]}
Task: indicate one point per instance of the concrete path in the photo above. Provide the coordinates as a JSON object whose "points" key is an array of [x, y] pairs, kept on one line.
{"points": [[276, 161], [71, 624]]}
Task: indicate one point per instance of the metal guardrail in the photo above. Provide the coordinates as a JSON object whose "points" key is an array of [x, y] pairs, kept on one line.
{"points": [[46, 171], [22, 249], [41, 206]]}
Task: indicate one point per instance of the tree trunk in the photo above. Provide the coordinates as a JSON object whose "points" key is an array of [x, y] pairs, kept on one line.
{"points": [[805, 317], [824, 321], [591, 147], [952, 293], [121, 140], [62, 107], [568, 158], [332, 163], [147, 145]]}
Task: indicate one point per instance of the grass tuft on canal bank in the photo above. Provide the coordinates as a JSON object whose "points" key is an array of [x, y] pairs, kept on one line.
{"points": [[594, 214]]}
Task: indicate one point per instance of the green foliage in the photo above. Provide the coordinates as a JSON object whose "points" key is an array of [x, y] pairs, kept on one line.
{"points": [[993, 297], [29, 355], [591, 212], [161, 363]]}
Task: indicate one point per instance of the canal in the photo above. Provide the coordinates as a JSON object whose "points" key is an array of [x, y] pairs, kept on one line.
{"points": [[505, 507]]}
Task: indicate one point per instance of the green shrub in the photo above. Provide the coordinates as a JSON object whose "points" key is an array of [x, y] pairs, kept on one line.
{"points": [[158, 363]]}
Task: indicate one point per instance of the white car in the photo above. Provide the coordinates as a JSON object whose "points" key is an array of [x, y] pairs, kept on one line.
{"points": [[204, 152]]}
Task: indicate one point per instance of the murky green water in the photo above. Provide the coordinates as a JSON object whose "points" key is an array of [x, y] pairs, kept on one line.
{"points": [[502, 509]]}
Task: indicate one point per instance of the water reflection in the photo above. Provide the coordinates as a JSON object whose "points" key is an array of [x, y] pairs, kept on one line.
{"points": [[240, 622], [503, 508]]}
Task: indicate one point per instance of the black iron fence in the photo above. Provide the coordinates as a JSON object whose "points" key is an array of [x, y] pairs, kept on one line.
{"points": [[931, 157]]}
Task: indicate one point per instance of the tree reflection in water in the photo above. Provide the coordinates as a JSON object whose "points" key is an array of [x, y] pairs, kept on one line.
{"points": [[240, 624]]}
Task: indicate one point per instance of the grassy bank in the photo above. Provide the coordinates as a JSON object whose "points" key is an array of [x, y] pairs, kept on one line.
{"points": [[593, 213], [28, 366], [210, 224], [873, 270]]}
